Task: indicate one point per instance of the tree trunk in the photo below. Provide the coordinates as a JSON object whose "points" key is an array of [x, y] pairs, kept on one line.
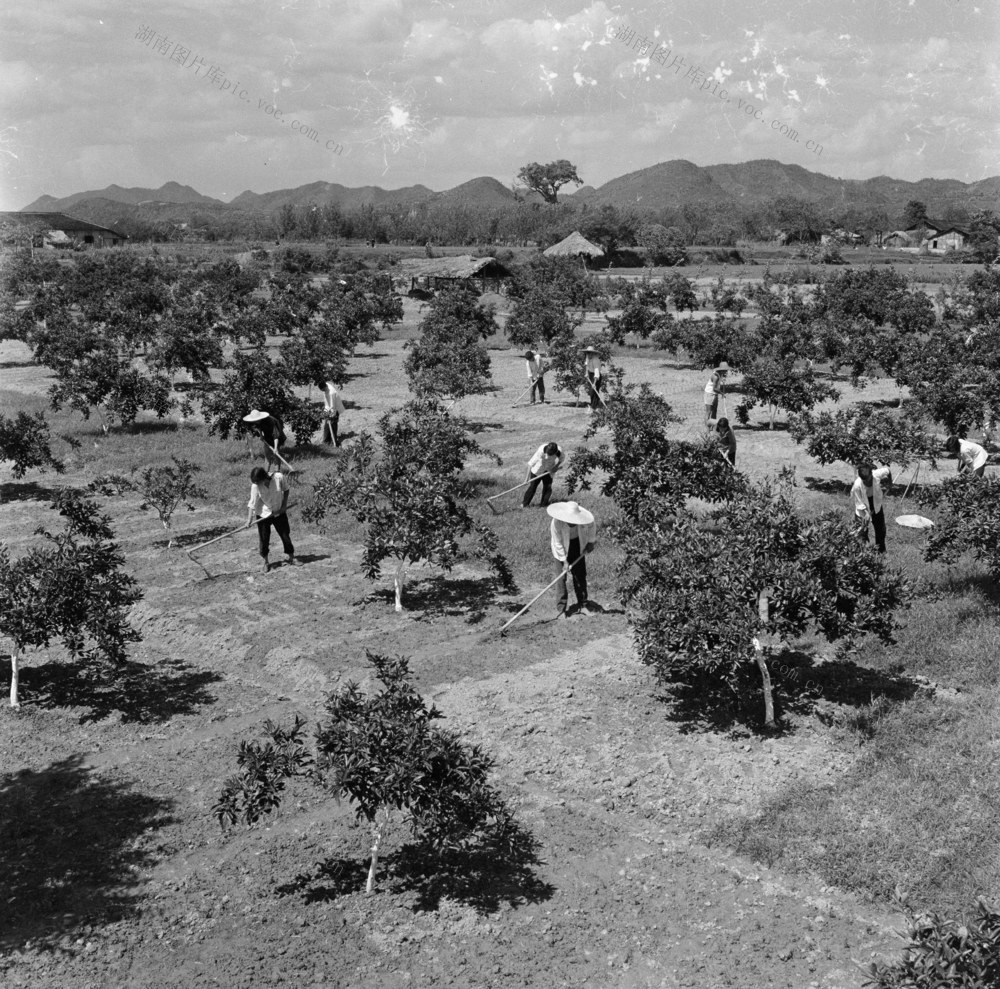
{"points": [[378, 833], [14, 702], [398, 582], [765, 676]]}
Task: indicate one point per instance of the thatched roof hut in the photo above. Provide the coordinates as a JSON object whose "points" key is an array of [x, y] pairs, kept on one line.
{"points": [[433, 273], [574, 245]]}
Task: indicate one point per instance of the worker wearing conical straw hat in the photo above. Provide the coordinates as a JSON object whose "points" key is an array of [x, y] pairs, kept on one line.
{"points": [[573, 533], [270, 430]]}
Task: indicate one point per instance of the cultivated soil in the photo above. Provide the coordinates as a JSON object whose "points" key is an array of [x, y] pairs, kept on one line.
{"points": [[115, 873]]}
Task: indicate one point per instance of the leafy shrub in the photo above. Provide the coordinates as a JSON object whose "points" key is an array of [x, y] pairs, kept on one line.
{"points": [[779, 385], [24, 440], [969, 509], [944, 954], [383, 753], [537, 318]]}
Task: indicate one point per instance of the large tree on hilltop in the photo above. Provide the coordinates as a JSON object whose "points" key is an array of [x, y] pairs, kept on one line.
{"points": [[548, 179]]}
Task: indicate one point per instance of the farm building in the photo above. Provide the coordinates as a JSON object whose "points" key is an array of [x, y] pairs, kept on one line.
{"points": [[573, 246], [841, 236], [61, 229], [949, 239], [430, 274]]}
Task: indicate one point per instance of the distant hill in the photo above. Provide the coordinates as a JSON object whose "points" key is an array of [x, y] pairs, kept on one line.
{"points": [[169, 192], [666, 184]]}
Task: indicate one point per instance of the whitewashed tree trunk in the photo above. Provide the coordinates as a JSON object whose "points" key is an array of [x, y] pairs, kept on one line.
{"points": [[14, 702], [399, 581], [378, 833]]}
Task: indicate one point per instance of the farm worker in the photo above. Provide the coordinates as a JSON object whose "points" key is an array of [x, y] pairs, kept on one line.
{"points": [[595, 379], [334, 405], [536, 375], [267, 504], [542, 467], [268, 428], [971, 456], [726, 439], [867, 496], [573, 534], [716, 386]]}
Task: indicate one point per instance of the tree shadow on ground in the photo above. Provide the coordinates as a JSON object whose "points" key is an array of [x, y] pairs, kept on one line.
{"points": [[799, 687], [444, 596], [184, 539], [26, 491], [70, 842], [483, 427], [828, 486], [10, 365], [483, 877], [139, 692]]}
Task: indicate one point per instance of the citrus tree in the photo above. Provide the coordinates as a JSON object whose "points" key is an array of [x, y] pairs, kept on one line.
{"points": [[72, 588], [24, 441], [968, 520], [778, 384], [383, 752], [409, 504]]}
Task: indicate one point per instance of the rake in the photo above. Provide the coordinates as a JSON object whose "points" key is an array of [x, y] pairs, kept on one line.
{"points": [[523, 484], [503, 628]]}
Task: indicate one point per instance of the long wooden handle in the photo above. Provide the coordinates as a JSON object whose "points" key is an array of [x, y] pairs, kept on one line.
{"points": [[274, 450], [525, 392], [596, 391], [539, 594], [226, 535], [521, 485]]}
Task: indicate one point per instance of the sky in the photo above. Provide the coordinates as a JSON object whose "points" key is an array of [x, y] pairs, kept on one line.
{"points": [[231, 95]]}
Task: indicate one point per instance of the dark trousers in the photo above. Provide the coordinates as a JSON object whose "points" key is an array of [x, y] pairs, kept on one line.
{"points": [[579, 574], [280, 523], [594, 388], [878, 524], [333, 421], [529, 492], [538, 388], [267, 452]]}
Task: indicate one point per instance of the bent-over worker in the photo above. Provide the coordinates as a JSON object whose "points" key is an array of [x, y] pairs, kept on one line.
{"points": [[726, 439], [971, 456], [542, 467], [267, 505], [269, 430], [573, 532]]}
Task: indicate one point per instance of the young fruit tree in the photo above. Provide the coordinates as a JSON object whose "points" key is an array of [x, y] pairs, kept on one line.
{"points": [[449, 359], [383, 752], [24, 441], [72, 588], [863, 432], [780, 385], [707, 596], [567, 363], [409, 505], [968, 510], [164, 488]]}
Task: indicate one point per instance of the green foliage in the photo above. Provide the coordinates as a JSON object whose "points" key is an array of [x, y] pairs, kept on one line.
{"points": [[779, 385], [537, 317], [943, 953], [564, 281], [255, 381], [408, 505], [72, 588], [879, 295], [384, 752], [450, 359], [969, 520], [24, 440], [637, 318], [863, 432], [164, 487], [566, 361], [663, 246], [548, 179]]}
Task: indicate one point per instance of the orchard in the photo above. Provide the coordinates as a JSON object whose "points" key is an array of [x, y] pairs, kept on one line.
{"points": [[758, 707]]}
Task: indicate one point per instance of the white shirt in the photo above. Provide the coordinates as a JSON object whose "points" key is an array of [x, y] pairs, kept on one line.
{"points": [[593, 364], [860, 495], [536, 367], [333, 401], [563, 532], [972, 454], [542, 462], [265, 499]]}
